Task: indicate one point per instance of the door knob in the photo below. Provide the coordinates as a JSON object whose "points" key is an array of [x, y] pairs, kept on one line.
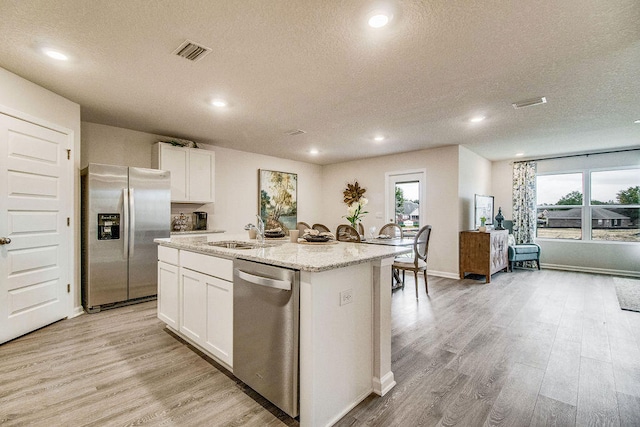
{"points": [[5, 240]]}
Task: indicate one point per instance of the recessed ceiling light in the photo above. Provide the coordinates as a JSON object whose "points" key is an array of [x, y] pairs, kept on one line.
{"points": [[378, 20], [55, 54], [379, 138], [519, 154], [219, 103], [637, 122], [313, 151], [477, 119]]}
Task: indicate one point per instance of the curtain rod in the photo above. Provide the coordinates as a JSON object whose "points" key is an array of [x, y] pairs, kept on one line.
{"points": [[576, 155]]}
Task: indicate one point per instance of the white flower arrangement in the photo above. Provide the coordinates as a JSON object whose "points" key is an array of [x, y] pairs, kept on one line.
{"points": [[355, 211]]}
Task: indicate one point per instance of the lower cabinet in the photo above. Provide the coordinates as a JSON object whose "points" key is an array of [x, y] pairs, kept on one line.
{"points": [[219, 333], [168, 294], [195, 298], [207, 313]]}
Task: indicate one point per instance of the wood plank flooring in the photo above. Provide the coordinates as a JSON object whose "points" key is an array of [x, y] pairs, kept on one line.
{"points": [[534, 348]]}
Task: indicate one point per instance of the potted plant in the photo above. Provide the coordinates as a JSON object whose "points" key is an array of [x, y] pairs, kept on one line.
{"points": [[482, 227]]}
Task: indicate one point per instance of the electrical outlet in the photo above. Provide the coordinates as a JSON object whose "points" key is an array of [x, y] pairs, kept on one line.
{"points": [[346, 297]]}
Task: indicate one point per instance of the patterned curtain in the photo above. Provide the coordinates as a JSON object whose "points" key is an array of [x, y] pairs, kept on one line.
{"points": [[524, 202]]}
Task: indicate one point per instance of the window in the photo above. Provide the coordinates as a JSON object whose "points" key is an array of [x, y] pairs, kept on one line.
{"points": [[405, 196], [559, 205], [408, 204], [615, 205], [606, 206]]}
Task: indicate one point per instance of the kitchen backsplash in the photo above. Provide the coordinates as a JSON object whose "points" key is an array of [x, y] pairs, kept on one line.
{"points": [[187, 209]]}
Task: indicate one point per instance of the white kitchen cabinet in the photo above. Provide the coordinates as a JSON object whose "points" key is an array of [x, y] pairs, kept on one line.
{"points": [[203, 303], [168, 287], [193, 309], [219, 338], [192, 172]]}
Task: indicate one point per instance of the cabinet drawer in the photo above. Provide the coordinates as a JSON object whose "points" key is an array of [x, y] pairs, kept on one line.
{"points": [[168, 255], [207, 264]]}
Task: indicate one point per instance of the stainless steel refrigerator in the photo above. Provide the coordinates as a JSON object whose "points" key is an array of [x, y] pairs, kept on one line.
{"points": [[123, 210]]}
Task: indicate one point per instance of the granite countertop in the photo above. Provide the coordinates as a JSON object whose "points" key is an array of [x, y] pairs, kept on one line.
{"points": [[178, 233], [282, 253]]}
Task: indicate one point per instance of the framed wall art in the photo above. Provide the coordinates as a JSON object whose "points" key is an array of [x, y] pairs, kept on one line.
{"points": [[483, 208], [278, 199]]}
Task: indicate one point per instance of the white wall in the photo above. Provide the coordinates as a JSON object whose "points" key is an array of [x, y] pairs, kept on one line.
{"points": [[442, 208], [116, 146], [23, 96], [236, 174], [501, 187], [589, 256], [474, 178]]}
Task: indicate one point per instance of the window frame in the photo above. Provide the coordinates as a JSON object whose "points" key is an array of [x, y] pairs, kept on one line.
{"points": [[582, 206], [587, 207]]}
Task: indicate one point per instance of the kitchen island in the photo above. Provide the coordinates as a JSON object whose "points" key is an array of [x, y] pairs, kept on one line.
{"points": [[345, 312]]}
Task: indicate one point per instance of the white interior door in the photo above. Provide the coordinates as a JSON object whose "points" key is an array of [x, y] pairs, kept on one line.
{"points": [[36, 190]]}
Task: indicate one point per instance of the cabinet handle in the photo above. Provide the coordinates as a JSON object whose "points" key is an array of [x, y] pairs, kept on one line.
{"points": [[5, 240]]}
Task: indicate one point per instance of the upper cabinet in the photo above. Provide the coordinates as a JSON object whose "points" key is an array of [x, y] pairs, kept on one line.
{"points": [[192, 172]]}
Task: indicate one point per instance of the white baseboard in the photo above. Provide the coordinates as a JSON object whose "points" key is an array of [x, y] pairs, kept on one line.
{"points": [[581, 269], [445, 274], [77, 311], [381, 386], [346, 410]]}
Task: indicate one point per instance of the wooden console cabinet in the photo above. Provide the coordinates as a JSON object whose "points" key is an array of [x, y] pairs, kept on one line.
{"points": [[483, 252]]}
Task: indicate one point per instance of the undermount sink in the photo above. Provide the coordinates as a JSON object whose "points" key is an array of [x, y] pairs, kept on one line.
{"points": [[232, 244]]}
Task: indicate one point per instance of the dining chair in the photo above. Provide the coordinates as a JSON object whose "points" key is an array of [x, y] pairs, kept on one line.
{"points": [[419, 261], [392, 230], [321, 228], [346, 233], [301, 226]]}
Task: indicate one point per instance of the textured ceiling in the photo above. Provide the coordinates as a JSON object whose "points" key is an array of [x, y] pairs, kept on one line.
{"points": [[317, 66]]}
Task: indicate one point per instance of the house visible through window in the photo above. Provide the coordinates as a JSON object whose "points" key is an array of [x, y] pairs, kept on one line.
{"points": [[615, 205], [559, 205], [594, 205]]}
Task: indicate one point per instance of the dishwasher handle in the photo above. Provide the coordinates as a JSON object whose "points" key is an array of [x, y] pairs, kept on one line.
{"points": [[264, 281]]}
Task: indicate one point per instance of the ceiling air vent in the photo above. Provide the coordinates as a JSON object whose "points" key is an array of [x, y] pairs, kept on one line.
{"points": [[295, 132], [529, 102], [191, 51]]}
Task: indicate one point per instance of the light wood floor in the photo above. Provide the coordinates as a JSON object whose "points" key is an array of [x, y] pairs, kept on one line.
{"points": [[531, 348]]}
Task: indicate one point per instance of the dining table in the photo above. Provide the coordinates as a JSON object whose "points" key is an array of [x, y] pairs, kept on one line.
{"points": [[391, 241]]}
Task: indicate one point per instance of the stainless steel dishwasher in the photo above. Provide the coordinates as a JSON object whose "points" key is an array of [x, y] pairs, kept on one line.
{"points": [[266, 302]]}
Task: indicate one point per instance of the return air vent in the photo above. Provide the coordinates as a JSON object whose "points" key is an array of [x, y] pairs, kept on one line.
{"points": [[191, 51], [295, 132], [529, 102]]}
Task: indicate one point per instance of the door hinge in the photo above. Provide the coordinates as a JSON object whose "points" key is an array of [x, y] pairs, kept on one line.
{"points": [[68, 221], [68, 287], [68, 154]]}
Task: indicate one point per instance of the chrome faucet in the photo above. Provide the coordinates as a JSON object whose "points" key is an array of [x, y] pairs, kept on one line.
{"points": [[260, 229]]}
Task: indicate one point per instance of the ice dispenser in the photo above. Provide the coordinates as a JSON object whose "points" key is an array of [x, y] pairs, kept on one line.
{"points": [[108, 226]]}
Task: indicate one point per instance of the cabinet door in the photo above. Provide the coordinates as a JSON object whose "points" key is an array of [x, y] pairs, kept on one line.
{"points": [[176, 161], [201, 176], [219, 339], [168, 294], [193, 312]]}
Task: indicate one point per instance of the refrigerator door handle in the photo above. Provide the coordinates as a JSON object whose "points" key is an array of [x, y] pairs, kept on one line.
{"points": [[125, 220], [132, 222]]}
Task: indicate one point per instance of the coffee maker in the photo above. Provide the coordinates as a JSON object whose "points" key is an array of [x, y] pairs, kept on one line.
{"points": [[200, 222]]}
